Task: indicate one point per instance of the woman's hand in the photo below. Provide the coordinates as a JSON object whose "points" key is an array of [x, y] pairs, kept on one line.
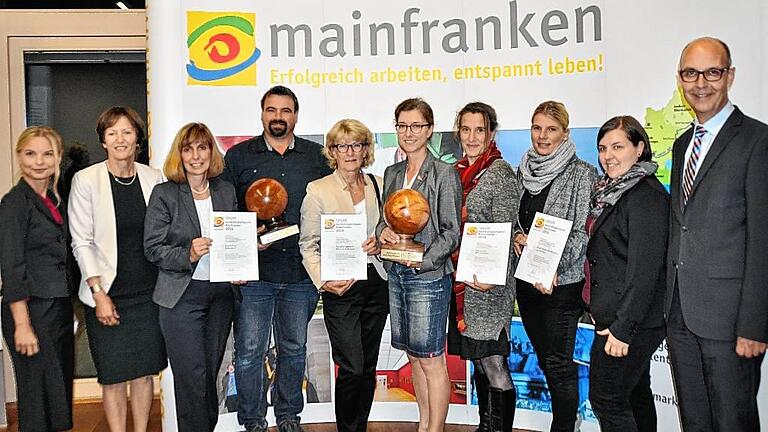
{"points": [[388, 236], [371, 246], [200, 246], [338, 287], [544, 290], [25, 340], [613, 346], [106, 312], [520, 241], [479, 286]]}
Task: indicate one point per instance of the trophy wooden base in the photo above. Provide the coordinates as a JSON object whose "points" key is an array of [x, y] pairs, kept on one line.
{"points": [[407, 250], [278, 233]]}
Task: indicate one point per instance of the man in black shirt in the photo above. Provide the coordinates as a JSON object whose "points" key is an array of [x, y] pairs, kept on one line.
{"points": [[284, 297]]}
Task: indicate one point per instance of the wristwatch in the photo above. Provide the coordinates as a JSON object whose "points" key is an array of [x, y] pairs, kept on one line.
{"points": [[96, 288]]}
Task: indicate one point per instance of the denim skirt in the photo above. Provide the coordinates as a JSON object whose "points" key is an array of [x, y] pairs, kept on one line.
{"points": [[418, 311]]}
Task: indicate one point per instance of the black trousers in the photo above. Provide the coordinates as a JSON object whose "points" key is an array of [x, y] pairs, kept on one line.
{"points": [[716, 389], [620, 387], [195, 332], [355, 322], [551, 322], [44, 381]]}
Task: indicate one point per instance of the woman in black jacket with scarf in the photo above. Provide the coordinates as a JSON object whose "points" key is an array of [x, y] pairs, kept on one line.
{"points": [[625, 285]]}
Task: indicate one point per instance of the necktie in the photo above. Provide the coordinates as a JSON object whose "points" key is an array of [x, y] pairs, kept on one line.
{"points": [[689, 175]]}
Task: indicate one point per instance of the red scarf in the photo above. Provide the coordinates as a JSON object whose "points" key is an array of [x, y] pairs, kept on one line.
{"points": [[470, 177]]}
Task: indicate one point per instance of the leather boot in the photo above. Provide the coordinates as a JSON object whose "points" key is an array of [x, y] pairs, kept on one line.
{"points": [[502, 409], [482, 387]]}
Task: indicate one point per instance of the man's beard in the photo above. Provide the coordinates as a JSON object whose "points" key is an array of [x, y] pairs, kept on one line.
{"points": [[277, 133]]}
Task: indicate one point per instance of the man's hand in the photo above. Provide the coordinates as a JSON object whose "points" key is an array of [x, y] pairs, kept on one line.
{"points": [[748, 348], [613, 346], [261, 245]]}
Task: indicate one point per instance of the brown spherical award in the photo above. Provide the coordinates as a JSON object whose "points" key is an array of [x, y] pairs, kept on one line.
{"points": [[268, 198], [406, 213]]}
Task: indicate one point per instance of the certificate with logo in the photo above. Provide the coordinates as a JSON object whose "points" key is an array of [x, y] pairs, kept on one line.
{"points": [[546, 242], [484, 253], [234, 250], [341, 247]]}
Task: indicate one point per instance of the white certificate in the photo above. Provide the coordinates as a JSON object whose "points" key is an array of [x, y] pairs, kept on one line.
{"points": [[546, 242], [484, 252], [234, 251], [341, 247]]}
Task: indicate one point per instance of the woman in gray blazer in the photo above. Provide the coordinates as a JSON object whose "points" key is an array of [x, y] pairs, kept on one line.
{"points": [[555, 182], [420, 293], [195, 314]]}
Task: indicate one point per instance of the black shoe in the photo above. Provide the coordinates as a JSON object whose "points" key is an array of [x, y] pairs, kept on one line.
{"points": [[502, 409], [290, 426], [482, 387]]}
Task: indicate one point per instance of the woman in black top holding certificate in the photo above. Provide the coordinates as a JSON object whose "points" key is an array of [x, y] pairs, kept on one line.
{"points": [[481, 314]]}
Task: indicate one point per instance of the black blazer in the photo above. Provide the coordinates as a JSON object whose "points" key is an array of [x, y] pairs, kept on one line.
{"points": [[626, 254], [33, 247], [718, 243], [169, 227]]}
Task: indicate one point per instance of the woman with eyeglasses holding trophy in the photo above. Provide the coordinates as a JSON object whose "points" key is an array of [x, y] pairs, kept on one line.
{"points": [[420, 291], [354, 311]]}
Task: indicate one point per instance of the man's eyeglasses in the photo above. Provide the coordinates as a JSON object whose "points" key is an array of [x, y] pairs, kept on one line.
{"points": [[356, 147], [414, 127], [712, 74]]}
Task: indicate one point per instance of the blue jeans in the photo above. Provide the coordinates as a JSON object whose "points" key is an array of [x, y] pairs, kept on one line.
{"points": [[418, 312], [288, 307]]}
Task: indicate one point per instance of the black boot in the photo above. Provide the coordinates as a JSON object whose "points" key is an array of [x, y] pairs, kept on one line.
{"points": [[502, 409], [482, 387]]}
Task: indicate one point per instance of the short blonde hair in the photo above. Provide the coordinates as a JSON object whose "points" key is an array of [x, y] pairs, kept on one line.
{"points": [[54, 138], [189, 134], [555, 110], [350, 129]]}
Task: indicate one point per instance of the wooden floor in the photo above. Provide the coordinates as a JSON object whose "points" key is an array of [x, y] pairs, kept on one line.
{"points": [[89, 417]]}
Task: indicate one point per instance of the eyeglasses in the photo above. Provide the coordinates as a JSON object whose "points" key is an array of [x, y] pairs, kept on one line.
{"points": [[414, 127], [356, 147], [712, 74]]}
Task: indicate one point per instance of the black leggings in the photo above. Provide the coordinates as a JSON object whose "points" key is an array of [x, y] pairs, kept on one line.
{"points": [[496, 371]]}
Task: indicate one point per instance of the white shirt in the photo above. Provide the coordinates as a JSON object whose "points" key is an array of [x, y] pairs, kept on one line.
{"points": [[712, 127], [204, 209]]}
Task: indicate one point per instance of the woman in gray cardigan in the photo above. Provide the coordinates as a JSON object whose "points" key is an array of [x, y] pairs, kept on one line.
{"points": [[481, 314], [557, 183]]}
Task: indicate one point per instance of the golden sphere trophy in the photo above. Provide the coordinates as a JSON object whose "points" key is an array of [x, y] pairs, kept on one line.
{"points": [[406, 213], [268, 198]]}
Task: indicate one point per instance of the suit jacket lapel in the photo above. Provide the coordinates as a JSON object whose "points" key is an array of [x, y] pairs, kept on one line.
{"points": [[39, 204], [678, 165], [188, 204], [724, 137], [603, 216], [424, 171]]}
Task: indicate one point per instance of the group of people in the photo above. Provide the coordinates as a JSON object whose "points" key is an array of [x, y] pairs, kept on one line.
{"points": [[645, 264]]}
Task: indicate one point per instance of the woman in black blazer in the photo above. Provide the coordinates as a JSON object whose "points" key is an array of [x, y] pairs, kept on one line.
{"points": [[36, 305], [195, 314], [625, 279]]}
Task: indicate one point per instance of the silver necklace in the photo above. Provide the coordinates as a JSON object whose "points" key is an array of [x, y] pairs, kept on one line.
{"points": [[114, 177]]}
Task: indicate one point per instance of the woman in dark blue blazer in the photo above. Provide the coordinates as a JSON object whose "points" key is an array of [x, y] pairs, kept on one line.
{"points": [[195, 314], [627, 225], [36, 305]]}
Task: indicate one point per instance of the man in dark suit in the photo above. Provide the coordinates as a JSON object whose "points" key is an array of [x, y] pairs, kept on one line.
{"points": [[717, 279]]}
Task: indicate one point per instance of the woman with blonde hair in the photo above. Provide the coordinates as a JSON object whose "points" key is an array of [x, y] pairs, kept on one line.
{"points": [[195, 313], [107, 206], [36, 305], [555, 182], [354, 311]]}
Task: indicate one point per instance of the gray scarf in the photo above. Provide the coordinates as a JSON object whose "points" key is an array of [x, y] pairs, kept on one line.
{"points": [[607, 191], [538, 171]]}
